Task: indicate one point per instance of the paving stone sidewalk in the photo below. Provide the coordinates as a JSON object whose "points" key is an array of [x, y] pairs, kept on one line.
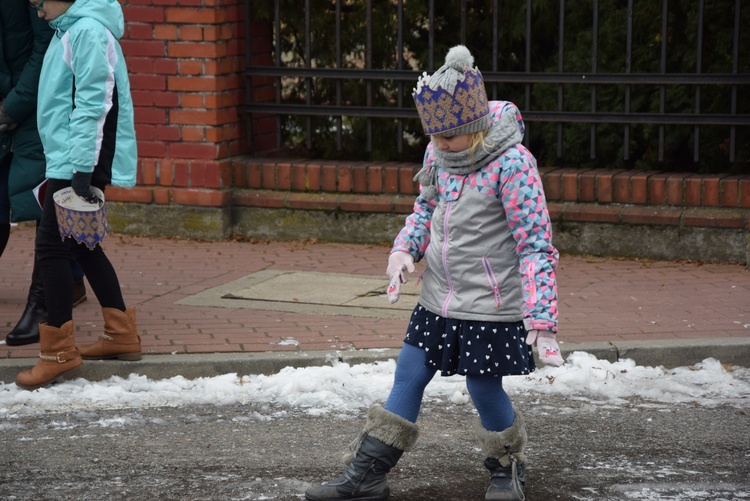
{"points": [[189, 299]]}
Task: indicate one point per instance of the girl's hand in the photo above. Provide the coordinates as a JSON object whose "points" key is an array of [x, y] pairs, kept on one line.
{"points": [[546, 345], [398, 262], [6, 121], [81, 184]]}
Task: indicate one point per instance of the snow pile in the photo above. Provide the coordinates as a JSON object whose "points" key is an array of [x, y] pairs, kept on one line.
{"points": [[345, 389]]}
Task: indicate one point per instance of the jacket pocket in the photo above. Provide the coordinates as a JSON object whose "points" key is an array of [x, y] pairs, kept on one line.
{"points": [[492, 280]]}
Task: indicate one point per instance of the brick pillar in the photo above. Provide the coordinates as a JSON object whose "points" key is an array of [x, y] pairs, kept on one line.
{"points": [[185, 61]]}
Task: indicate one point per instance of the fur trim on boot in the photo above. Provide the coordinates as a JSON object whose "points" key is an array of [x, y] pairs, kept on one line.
{"points": [[59, 358], [389, 428], [120, 339], [505, 460], [384, 439]]}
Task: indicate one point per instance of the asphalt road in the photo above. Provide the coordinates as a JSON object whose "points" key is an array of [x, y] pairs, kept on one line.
{"points": [[578, 450]]}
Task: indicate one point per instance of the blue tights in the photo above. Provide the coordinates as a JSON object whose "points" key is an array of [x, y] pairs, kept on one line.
{"points": [[492, 403]]}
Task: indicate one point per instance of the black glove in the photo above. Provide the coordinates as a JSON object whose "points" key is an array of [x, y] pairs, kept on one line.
{"points": [[82, 187], [6, 121]]}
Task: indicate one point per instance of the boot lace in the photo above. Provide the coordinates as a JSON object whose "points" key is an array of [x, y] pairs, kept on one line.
{"points": [[355, 444], [515, 482]]}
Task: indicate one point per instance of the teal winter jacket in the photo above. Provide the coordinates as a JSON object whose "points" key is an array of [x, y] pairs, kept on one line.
{"points": [[85, 111]]}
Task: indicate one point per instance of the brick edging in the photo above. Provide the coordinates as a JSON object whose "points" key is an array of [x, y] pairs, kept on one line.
{"points": [[602, 186], [559, 212], [580, 195]]}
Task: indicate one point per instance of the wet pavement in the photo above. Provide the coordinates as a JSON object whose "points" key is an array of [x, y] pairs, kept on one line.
{"points": [[578, 449]]}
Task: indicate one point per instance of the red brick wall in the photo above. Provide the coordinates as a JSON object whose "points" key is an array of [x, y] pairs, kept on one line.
{"points": [[185, 59], [576, 195]]}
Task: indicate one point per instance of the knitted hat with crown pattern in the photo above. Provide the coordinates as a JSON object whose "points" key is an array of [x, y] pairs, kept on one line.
{"points": [[453, 100]]}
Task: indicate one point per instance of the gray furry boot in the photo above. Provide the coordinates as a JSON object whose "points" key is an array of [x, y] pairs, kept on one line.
{"points": [[505, 460], [384, 439]]}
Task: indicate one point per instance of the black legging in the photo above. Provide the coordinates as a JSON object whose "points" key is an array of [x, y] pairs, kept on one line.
{"points": [[53, 255], [4, 236]]}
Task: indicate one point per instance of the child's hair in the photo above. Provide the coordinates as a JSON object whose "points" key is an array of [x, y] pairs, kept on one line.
{"points": [[477, 140]]}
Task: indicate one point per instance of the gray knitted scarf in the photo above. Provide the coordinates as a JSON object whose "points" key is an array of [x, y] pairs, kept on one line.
{"points": [[502, 135]]}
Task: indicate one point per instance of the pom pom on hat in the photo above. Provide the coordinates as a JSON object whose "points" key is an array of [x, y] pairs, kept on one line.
{"points": [[459, 58], [453, 100]]}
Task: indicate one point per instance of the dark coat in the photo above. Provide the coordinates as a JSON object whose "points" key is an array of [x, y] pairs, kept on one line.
{"points": [[24, 38]]}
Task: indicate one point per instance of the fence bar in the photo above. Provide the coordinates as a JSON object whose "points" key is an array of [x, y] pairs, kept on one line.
{"points": [[698, 69], [463, 22], [529, 116], [277, 61], [495, 43], [560, 68], [527, 67], [249, 62], [368, 65], [339, 62], [515, 77], [400, 66], [308, 80], [431, 38], [594, 56], [735, 68], [663, 69], [638, 118], [628, 68]]}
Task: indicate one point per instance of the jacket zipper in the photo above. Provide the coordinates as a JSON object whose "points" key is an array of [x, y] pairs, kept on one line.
{"points": [[493, 281], [445, 259], [531, 281]]}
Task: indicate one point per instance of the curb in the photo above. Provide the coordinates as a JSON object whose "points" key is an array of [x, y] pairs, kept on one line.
{"points": [[666, 353]]}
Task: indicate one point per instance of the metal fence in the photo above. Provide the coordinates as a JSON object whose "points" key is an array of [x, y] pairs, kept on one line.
{"points": [[733, 84]]}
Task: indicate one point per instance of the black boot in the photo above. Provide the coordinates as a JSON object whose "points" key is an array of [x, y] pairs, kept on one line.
{"points": [[79, 292], [506, 483], [384, 440], [26, 330], [505, 461], [4, 236]]}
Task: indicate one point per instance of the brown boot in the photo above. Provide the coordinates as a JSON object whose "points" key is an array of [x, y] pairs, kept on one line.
{"points": [[59, 358], [120, 339]]}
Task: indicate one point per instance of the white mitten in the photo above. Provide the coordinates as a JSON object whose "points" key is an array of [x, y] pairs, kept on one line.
{"points": [[546, 345], [398, 262], [394, 289]]}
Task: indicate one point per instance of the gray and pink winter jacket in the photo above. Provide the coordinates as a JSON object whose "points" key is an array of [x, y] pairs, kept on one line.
{"points": [[487, 241]]}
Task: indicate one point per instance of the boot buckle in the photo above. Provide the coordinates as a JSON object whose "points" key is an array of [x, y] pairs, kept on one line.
{"points": [[59, 357]]}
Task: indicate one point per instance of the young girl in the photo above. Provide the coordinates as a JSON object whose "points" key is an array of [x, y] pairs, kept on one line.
{"points": [[488, 291], [85, 117]]}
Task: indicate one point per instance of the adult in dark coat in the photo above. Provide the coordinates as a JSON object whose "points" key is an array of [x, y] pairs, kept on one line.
{"points": [[23, 43], [24, 38]]}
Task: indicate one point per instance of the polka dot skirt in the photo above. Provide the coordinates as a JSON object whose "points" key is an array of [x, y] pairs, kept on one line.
{"points": [[470, 346]]}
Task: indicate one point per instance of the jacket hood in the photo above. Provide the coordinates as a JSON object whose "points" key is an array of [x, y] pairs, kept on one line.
{"points": [[107, 12], [508, 114]]}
